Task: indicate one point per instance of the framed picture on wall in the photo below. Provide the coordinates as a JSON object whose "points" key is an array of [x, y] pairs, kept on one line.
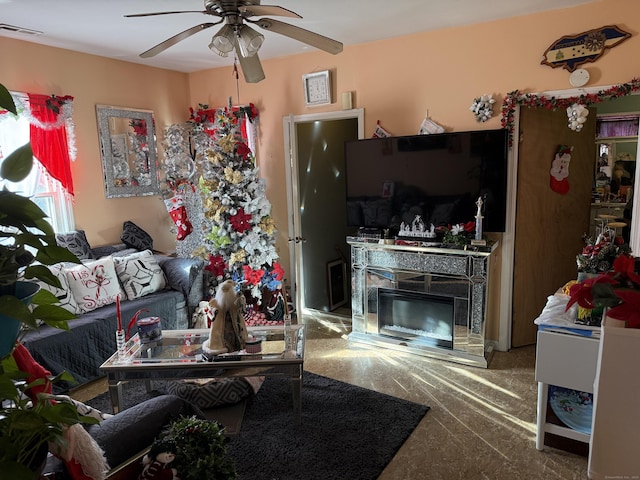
{"points": [[387, 190], [337, 283]]}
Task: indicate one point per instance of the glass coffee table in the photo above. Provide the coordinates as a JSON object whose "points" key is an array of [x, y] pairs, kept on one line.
{"points": [[178, 355]]}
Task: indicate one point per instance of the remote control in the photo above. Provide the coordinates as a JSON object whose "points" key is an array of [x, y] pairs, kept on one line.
{"points": [[227, 358]]}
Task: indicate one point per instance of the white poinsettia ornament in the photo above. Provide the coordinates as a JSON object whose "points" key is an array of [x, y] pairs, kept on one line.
{"points": [[577, 115], [482, 107]]}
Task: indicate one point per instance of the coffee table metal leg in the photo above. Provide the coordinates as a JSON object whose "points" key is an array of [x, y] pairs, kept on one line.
{"points": [[115, 391], [296, 391]]}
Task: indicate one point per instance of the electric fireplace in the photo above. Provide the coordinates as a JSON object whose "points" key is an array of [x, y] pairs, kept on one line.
{"points": [[417, 316], [425, 300]]}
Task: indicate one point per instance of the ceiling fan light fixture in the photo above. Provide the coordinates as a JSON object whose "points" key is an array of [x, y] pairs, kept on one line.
{"points": [[222, 42], [249, 41]]}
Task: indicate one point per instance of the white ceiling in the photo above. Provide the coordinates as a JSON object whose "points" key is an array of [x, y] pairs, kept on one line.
{"points": [[99, 26]]}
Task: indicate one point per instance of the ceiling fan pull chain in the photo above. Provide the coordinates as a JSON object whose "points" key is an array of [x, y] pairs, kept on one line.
{"points": [[235, 72]]}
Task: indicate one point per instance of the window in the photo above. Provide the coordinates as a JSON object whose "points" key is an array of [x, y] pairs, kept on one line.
{"points": [[44, 190]]}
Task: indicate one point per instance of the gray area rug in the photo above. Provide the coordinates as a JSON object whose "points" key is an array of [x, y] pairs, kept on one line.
{"points": [[347, 432]]}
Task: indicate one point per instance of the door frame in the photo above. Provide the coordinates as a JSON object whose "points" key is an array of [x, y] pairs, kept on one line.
{"points": [[508, 239], [292, 177]]}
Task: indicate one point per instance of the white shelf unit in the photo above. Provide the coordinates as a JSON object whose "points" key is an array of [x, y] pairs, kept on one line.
{"points": [[564, 360]]}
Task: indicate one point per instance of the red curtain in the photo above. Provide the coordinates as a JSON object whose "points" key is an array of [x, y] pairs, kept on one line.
{"points": [[50, 144]]}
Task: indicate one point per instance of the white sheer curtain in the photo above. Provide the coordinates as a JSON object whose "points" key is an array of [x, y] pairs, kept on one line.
{"points": [[44, 190]]}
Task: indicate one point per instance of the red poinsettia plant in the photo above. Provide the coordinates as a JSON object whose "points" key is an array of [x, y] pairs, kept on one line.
{"points": [[617, 290]]}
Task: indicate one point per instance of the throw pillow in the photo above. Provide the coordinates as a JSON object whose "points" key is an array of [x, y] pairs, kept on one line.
{"points": [[77, 243], [63, 294], [94, 284], [139, 274], [135, 237]]}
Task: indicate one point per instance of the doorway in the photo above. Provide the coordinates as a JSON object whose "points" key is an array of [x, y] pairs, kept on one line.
{"points": [[519, 326], [317, 207]]}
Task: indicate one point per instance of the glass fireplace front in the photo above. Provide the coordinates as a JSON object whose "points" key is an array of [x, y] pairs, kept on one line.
{"points": [[416, 316]]}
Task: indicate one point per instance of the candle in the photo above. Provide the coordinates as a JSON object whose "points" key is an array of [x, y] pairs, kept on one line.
{"points": [[118, 312]]}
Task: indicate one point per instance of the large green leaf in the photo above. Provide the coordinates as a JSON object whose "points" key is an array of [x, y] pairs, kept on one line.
{"points": [[55, 254], [53, 316], [17, 166], [43, 274], [14, 308], [6, 101], [21, 208]]}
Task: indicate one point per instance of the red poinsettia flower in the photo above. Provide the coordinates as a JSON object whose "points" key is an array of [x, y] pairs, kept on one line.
{"points": [[216, 266], [139, 127], [204, 114], [628, 310], [252, 276], [253, 110], [241, 222], [470, 227], [278, 271], [243, 150], [623, 267], [583, 292]]}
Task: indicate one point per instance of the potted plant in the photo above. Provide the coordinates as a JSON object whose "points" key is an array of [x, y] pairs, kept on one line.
{"points": [[617, 291], [201, 449], [27, 245]]}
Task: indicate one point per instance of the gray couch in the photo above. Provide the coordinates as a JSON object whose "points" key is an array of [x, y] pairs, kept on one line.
{"points": [[91, 338]]}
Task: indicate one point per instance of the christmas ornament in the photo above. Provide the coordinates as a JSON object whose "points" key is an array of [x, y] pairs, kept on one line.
{"points": [[577, 116], [380, 132], [178, 214], [559, 173], [482, 107]]}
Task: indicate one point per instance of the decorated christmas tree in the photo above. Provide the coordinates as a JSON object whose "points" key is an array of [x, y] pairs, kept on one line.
{"points": [[231, 228]]}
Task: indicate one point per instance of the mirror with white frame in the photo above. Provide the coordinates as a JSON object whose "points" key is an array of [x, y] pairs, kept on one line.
{"points": [[128, 150]]}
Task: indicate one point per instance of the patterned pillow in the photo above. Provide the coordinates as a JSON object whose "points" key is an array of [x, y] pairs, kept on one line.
{"points": [[94, 284], [63, 294], [77, 243], [140, 274], [135, 237]]}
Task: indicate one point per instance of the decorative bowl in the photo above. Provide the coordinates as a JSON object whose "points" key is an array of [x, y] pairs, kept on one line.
{"points": [[572, 407]]}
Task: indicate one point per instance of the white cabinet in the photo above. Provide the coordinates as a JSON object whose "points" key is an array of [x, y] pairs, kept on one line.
{"points": [[568, 361], [615, 435]]}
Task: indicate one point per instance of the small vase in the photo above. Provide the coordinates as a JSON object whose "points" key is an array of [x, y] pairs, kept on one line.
{"points": [[9, 326]]}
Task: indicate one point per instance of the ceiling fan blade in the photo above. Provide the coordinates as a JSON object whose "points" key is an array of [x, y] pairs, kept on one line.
{"points": [[251, 66], [163, 13], [253, 10], [161, 47], [305, 36]]}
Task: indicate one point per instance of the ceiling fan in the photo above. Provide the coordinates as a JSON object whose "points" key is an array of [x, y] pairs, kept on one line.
{"points": [[236, 35]]}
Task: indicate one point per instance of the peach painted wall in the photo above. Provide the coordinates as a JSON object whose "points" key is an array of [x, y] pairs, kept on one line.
{"points": [[95, 80], [396, 81]]}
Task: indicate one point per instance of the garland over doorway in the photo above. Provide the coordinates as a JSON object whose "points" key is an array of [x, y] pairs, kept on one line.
{"points": [[532, 100]]}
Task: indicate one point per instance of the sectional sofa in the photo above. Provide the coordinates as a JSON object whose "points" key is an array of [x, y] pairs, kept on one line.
{"points": [[164, 286]]}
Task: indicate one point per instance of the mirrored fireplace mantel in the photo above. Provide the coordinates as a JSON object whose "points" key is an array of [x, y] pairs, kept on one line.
{"points": [[421, 278]]}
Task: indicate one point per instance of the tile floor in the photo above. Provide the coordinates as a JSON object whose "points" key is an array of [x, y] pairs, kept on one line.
{"points": [[482, 422]]}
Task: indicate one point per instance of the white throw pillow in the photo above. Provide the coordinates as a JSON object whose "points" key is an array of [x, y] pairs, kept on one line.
{"points": [[94, 284], [140, 274], [63, 294]]}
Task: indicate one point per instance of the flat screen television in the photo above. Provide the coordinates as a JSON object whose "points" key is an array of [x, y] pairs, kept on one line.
{"points": [[439, 177]]}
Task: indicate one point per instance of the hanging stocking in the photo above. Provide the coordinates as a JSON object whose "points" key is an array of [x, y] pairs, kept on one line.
{"points": [[380, 132], [178, 212], [559, 173]]}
